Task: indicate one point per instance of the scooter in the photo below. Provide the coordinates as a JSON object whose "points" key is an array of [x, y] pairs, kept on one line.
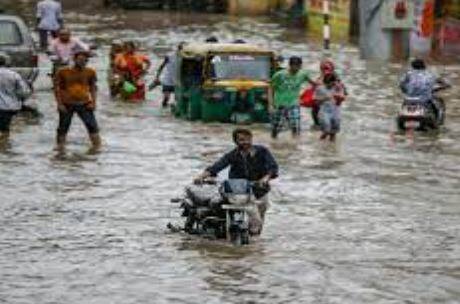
{"points": [[218, 211], [416, 114]]}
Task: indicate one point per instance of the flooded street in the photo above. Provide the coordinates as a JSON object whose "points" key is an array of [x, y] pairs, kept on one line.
{"points": [[374, 218]]}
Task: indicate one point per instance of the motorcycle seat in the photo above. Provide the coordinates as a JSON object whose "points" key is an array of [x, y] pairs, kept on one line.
{"points": [[236, 207], [408, 99]]}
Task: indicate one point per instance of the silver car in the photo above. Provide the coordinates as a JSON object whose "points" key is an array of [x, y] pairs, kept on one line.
{"points": [[16, 42]]}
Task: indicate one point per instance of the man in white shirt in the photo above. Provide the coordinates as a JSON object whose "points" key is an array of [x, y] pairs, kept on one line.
{"points": [[13, 92], [168, 78], [49, 20], [65, 46]]}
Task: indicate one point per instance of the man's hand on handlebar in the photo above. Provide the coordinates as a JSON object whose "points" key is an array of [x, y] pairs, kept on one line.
{"points": [[202, 178], [264, 181]]}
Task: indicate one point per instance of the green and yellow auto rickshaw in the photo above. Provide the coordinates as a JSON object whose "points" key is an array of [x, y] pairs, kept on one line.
{"points": [[224, 82]]}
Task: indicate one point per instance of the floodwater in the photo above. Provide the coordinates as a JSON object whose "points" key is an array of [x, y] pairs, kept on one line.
{"points": [[373, 218]]}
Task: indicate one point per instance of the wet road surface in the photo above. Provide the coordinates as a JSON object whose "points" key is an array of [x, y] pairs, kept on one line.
{"points": [[373, 218]]}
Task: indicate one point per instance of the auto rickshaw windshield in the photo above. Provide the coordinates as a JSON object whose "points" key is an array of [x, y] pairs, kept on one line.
{"points": [[231, 66]]}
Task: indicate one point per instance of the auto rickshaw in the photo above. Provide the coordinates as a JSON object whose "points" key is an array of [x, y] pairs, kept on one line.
{"points": [[219, 82]]}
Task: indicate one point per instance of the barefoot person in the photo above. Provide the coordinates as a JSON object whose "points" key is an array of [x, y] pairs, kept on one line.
{"points": [[75, 90]]}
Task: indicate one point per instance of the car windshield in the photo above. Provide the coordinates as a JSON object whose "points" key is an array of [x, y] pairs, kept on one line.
{"points": [[9, 33], [240, 67]]}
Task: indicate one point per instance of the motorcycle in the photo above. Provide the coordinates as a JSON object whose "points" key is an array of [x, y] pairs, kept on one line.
{"points": [[218, 212], [415, 114]]}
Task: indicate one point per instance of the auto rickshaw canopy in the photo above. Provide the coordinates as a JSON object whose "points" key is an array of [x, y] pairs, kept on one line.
{"points": [[201, 50]]}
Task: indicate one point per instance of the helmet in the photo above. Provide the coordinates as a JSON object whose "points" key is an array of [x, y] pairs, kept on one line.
{"points": [[418, 64]]}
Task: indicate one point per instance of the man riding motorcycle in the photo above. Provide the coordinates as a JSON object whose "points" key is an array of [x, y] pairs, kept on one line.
{"points": [[420, 83], [251, 162]]}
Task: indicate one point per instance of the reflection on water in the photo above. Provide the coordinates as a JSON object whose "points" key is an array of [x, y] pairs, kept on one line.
{"points": [[370, 219]]}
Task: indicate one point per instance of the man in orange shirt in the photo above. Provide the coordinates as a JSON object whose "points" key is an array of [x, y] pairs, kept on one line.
{"points": [[75, 90], [133, 66]]}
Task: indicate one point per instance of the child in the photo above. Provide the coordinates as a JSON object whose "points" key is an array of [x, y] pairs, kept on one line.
{"points": [[326, 67], [329, 96]]}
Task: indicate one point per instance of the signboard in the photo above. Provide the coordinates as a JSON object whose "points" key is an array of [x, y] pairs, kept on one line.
{"points": [[422, 33], [397, 14], [450, 37]]}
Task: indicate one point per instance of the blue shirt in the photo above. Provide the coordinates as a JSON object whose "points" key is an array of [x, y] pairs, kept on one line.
{"points": [[50, 13], [418, 83]]}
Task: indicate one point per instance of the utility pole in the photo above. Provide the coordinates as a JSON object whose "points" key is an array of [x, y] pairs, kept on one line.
{"points": [[327, 27], [354, 30]]}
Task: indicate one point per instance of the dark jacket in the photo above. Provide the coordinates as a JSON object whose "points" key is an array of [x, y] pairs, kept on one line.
{"points": [[257, 164]]}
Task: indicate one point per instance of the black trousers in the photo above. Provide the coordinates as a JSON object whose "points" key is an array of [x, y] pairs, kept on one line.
{"points": [[5, 120], [87, 116], [43, 34]]}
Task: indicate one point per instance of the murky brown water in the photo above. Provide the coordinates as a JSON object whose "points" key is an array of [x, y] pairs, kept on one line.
{"points": [[372, 219]]}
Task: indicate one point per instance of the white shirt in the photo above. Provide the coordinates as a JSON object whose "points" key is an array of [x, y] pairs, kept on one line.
{"points": [[49, 12], [13, 90], [65, 51], [169, 75]]}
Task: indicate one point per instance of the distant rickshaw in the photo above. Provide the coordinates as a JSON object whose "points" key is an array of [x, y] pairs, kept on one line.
{"points": [[224, 82]]}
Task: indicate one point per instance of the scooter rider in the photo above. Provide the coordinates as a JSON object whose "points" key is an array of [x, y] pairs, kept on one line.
{"points": [[420, 83], [252, 162]]}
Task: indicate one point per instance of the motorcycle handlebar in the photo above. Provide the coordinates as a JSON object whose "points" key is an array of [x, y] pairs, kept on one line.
{"points": [[207, 181], [213, 181]]}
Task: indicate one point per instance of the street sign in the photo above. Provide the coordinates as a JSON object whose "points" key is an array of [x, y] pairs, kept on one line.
{"points": [[398, 14]]}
